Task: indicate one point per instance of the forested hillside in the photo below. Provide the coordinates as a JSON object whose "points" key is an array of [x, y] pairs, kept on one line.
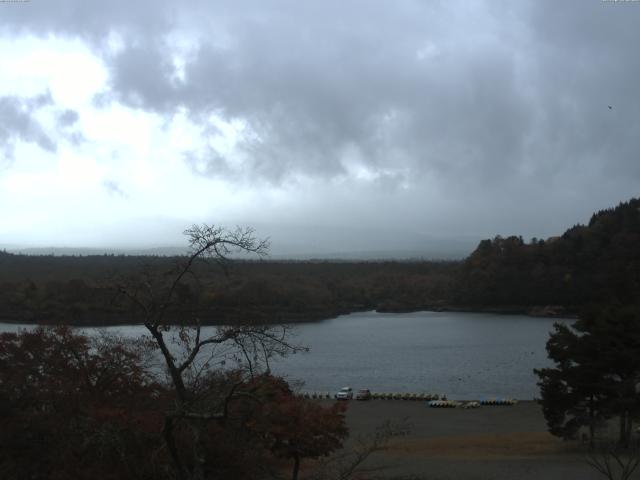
{"points": [[599, 262], [83, 290]]}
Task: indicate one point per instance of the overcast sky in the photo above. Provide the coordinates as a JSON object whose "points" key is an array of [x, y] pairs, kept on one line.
{"points": [[121, 123]]}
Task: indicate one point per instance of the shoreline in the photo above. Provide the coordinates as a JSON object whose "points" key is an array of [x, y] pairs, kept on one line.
{"points": [[285, 317]]}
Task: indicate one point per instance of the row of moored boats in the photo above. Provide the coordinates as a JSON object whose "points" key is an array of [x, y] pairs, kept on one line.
{"points": [[435, 400]]}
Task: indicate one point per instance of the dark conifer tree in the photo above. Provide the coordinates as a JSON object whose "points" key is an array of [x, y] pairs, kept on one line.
{"points": [[597, 372]]}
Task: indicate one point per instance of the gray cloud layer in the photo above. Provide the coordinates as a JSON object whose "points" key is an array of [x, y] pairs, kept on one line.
{"points": [[497, 103], [17, 123], [67, 118]]}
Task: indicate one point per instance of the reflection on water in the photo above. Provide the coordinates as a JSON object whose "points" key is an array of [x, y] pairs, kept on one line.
{"points": [[464, 355]]}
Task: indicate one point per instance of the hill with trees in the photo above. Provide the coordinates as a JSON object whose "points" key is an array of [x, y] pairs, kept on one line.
{"points": [[594, 263]]}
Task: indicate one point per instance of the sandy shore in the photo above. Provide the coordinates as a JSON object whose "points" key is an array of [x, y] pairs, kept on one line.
{"points": [[490, 442]]}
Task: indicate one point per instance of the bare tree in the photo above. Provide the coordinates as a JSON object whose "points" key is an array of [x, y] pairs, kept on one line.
{"points": [[188, 353]]}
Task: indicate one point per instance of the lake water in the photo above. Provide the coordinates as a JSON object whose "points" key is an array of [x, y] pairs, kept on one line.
{"points": [[463, 355]]}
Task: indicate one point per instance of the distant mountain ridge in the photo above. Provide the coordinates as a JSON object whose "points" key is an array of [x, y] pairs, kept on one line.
{"points": [[455, 248], [84, 251]]}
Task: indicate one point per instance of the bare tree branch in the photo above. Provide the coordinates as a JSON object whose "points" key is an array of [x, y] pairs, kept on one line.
{"points": [[349, 464], [613, 461], [156, 295]]}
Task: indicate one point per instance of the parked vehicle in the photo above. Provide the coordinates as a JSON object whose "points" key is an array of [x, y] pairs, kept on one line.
{"points": [[364, 394], [345, 393]]}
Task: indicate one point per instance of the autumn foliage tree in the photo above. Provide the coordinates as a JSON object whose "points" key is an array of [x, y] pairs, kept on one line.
{"points": [[76, 407], [72, 406], [291, 427], [299, 429]]}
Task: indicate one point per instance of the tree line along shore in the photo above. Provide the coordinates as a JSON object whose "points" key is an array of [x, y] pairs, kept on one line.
{"points": [[559, 276]]}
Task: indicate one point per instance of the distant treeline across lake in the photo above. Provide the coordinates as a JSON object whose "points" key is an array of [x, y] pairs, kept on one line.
{"points": [[558, 276]]}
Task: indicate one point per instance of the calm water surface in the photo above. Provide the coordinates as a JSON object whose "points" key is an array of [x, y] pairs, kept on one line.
{"points": [[464, 355]]}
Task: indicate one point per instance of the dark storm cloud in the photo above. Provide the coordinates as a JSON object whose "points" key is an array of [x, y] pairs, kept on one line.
{"points": [[585, 63], [17, 123], [92, 21], [140, 77], [432, 90], [491, 101], [508, 109]]}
